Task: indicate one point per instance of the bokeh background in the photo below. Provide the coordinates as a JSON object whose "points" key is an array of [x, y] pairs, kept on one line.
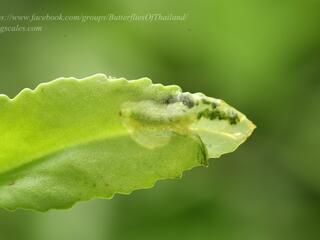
{"points": [[263, 57]]}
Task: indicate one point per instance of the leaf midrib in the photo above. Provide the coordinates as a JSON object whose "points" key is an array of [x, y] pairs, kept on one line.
{"points": [[30, 161]]}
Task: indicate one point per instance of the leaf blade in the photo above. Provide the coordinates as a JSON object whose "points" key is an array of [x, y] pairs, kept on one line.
{"points": [[68, 132]]}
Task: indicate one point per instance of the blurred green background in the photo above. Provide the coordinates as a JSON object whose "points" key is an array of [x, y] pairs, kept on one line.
{"points": [[262, 57]]}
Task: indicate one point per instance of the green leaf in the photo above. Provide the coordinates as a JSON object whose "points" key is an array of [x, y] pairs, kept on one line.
{"points": [[71, 140]]}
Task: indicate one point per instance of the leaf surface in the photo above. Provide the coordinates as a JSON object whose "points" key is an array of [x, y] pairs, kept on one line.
{"points": [[71, 139]]}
